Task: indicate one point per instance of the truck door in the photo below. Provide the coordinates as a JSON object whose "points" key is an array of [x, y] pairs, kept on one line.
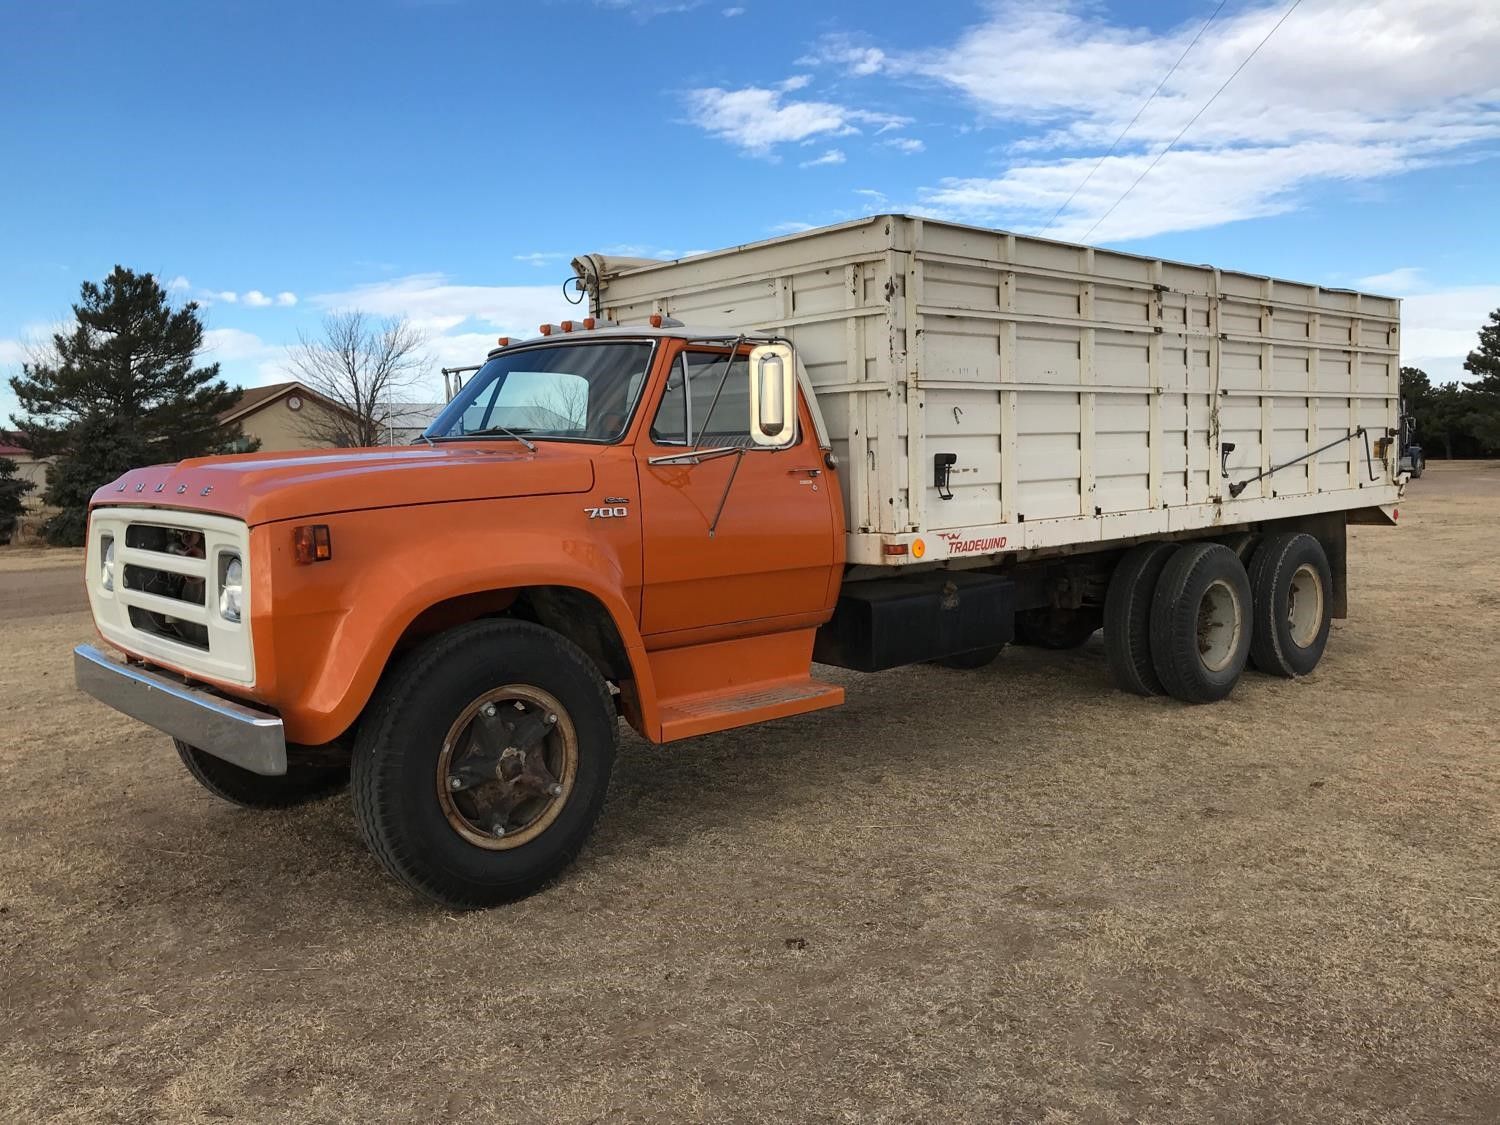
{"points": [[771, 549]]}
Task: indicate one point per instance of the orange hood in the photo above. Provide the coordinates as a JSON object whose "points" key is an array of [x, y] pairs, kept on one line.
{"points": [[262, 487]]}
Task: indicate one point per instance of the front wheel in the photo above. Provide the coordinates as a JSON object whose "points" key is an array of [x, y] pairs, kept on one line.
{"points": [[484, 761]]}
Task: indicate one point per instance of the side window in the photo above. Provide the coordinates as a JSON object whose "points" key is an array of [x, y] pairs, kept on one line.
{"points": [[727, 419]]}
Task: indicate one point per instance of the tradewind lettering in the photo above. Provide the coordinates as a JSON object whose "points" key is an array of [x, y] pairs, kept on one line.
{"points": [[958, 545]]}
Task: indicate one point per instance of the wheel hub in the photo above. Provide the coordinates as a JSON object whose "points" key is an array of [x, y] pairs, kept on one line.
{"points": [[1304, 610], [1220, 621], [507, 766]]}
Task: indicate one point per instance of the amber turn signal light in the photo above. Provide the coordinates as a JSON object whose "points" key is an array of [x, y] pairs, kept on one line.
{"points": [[313, 543]]}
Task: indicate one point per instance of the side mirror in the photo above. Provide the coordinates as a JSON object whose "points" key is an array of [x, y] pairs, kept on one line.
{"points": [[773, 395]]}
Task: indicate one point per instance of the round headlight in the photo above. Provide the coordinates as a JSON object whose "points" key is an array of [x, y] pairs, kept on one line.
{"points": [[107, 566], [232, 591]]}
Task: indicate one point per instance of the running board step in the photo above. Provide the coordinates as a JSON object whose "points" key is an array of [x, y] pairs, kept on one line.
{"points": [[688, 716]]}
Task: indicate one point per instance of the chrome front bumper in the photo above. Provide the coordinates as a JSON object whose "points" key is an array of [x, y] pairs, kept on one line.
{"points": [[242, 735]]}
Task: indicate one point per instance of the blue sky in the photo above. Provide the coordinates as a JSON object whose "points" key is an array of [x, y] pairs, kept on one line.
{"points": [[444, 159]]}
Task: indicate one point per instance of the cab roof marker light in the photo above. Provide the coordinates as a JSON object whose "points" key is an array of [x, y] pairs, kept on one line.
{"points": [[546, 330]]}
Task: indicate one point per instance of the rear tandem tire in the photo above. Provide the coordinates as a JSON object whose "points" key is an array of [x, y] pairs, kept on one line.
{"points": [[1201, 623], [1292, 585], [299, 785], [463, 697], [1127, 617]]}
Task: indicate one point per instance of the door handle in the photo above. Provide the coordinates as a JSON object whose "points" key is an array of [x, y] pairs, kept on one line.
{"points": [[809, 472]]}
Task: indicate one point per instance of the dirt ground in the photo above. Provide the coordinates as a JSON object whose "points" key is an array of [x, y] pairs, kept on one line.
{"points": [[1004, 895]]}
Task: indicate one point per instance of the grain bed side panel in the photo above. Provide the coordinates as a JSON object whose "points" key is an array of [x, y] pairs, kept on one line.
{"points": [[1088, 395]]}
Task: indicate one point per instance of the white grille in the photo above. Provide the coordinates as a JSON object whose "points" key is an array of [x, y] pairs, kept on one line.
{"points": [[165, 602]]}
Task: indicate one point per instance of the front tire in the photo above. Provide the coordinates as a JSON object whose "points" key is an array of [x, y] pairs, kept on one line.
{"points": [[482, 765], [1200, 623], [1292, 585], [227, 781]]}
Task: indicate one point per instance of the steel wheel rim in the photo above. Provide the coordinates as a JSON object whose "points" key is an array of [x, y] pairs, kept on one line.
{"points": [[519, 801], [1304, 609], [1221, 621]]}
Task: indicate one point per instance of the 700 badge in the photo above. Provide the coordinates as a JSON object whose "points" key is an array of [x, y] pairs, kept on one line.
{"points": [[612, 513]]}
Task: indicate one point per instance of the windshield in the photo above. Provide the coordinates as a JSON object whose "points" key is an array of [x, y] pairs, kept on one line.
{"points": [[573, 392]]}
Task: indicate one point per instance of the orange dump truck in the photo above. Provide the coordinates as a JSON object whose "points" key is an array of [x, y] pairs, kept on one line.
{"points": [[882, 443]]}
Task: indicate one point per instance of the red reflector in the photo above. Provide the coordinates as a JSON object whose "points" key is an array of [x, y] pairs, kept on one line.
{"points": [[503, 341], [546, 330], [1395, 513], [656, 320], [588, 323], [312, 543], [893, 549], [567, 326]]}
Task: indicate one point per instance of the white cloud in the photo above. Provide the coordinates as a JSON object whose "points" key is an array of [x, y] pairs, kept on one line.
{"points": [[1439, 328], [286, 299], [832, 156], [1345, 91], [540, 259], [1395, 283], [1189, 189], [178, 283], [649, 9], [730, 13], [852, 57], [257, 300], [790, 228], [437, 306], [230, 345], [908, 146], [227, 297], [757, 119]]}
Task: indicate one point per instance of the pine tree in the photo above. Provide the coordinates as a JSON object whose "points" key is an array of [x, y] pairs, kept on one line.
{"points": [[1483, 395], [13, 491], [118, 391]]}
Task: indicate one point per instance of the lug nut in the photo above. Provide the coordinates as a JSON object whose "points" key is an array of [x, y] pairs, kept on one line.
{"points": [[489, 710], [551, 718], [455, 783], [498, 830], [555, 789]]}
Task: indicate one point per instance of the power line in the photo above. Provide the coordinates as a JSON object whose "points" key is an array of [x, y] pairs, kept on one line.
{"points": [[1189, 125], [1110, 151]]}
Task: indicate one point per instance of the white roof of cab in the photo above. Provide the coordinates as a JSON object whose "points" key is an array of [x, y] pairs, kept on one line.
{"points": [[636, 332]]}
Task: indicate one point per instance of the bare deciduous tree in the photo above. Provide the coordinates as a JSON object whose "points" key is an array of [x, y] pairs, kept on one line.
{"points": [[361, 366]]}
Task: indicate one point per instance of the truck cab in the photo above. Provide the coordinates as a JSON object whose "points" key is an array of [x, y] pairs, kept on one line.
{"points": [[604, 520]]}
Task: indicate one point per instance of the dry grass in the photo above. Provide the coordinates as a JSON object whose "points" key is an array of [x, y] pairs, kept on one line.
{"points": [[1001, 895], [17, 559]]}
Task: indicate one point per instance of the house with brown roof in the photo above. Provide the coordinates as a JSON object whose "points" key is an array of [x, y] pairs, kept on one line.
{"points": [[282, 416], [28, 465]]}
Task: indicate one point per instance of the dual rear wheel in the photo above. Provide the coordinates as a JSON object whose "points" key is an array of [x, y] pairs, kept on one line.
{"points": [[1185, 620]]}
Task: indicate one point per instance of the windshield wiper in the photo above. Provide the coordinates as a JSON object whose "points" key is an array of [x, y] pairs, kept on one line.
{"points": [[496, 431]]}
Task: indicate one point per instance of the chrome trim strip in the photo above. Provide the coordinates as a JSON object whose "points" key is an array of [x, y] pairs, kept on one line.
{"points": [[251, 739]]}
